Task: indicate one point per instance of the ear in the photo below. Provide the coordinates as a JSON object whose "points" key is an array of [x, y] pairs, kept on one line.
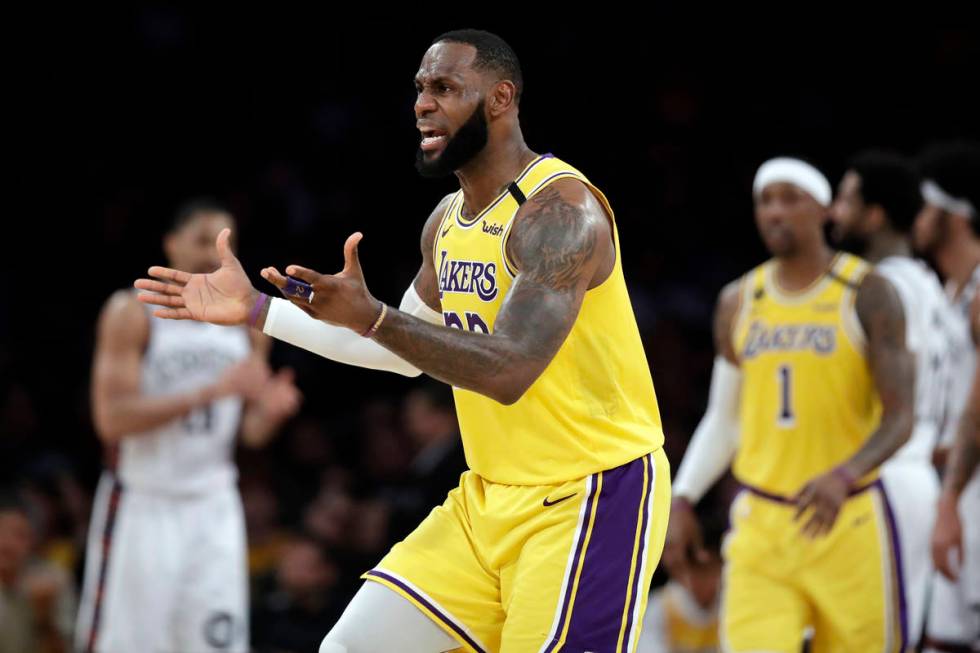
{"points": [[501, 98], [874, 219]]}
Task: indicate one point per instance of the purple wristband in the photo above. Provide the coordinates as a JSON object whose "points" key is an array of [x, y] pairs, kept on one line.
{"points": [[259, 303]]}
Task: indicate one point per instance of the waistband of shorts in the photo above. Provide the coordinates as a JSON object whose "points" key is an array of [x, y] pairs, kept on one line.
{"points": [[789, 501]]}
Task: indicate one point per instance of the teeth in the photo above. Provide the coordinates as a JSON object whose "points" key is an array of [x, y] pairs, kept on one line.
{"points": [[428, 140]]}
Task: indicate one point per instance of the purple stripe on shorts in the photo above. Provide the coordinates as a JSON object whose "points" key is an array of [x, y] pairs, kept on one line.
{"points": [[602, 595], [463, 635], [900, 575], [575, 560], [644, 525], [110, 522]]}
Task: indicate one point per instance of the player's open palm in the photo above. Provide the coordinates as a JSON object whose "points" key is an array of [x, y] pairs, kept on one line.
{"points": [[220, 297]]}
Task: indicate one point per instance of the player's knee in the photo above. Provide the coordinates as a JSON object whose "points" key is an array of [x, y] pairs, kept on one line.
{"points": [[332, 646]]}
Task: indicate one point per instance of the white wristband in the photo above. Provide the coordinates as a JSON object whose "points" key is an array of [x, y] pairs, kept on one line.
{"points": [[714, 442], [289, 323]]}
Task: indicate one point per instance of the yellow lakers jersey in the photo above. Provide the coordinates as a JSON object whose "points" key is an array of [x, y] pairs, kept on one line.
{"points": [[808, 400], [593, 408]]}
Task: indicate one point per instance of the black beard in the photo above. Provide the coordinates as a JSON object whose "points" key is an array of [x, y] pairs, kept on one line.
{"points": [[849, 243], [469, 141]]}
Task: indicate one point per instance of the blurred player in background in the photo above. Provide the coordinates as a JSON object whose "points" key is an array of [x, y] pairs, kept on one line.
{"points": [[166, 557], [552, 536], [876, 205], [807, 343], [947, 230], [682, 616]]}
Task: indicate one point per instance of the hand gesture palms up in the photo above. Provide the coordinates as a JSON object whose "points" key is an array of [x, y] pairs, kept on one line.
{"points": [[220, 297]]}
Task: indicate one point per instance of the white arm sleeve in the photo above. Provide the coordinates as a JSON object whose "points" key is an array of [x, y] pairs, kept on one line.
{"points": [[289, 323], [713, 444]]}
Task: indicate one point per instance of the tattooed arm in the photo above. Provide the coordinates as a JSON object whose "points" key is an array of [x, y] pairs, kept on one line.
{"points": [[562, 245], [893, 366], [880, 311]]}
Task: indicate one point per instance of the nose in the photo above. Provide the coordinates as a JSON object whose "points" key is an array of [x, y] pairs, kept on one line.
{"points": [[424, 104]]}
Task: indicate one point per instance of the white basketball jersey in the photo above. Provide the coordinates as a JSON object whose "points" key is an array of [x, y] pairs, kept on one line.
{"points": [[964, 357], [927, 336], [190, 454]]}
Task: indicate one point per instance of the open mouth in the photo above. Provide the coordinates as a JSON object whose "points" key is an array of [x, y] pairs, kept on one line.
{"points": [[433, 139]]}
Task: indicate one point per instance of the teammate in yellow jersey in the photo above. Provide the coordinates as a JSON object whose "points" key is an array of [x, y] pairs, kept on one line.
{"points": [[808, 342], [551, 539]]}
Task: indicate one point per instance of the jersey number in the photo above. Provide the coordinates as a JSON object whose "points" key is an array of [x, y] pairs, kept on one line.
{"points": [[199, 420], [473, 322], [786, 416]]}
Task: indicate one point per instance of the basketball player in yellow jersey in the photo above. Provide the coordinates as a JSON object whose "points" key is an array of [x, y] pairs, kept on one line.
{"points": [[550, 540], [812, 392]]}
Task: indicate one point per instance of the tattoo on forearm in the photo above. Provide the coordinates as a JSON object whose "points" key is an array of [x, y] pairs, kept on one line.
{"points": [[893, 367], [554, 245]]}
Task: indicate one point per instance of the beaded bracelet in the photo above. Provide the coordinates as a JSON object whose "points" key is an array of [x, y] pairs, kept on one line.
{"points": [[377, 323]]}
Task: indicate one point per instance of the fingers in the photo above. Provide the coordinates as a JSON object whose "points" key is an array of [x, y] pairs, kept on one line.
{"points": [[305, 274], [804, 500], [286, 375], [173, 301], [272, 276], [947, 557], [158, 287], [173, 313], [169, 274], [224, 249], [352, 262], [821, 520]]}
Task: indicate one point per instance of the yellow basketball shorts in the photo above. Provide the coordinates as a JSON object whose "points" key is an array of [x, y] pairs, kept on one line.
{"points": [[544, 568], [846, 585]]}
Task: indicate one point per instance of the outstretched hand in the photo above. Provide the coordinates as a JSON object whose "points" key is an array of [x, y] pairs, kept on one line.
{"points": [[342, 299], [224, 296]]}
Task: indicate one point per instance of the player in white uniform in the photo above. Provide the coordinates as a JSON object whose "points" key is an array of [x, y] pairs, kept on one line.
{"points": [[876, 205], [948, 230], [166, 559]]}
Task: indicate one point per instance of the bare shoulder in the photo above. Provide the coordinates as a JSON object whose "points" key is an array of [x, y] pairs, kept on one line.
{"points": [[563, 227], [879, 307], [726, 310], [432, 225], [123, 320]]}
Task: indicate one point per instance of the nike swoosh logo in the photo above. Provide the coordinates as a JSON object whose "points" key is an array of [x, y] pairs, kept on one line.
{"points": [[551, 503], [446, 231]]}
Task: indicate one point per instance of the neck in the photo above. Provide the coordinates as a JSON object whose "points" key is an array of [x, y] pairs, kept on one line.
{"points": [[799, 270], [887, 243], [492, 170], [957, 260]]}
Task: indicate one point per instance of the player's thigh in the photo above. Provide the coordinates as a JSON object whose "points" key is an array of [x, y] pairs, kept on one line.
{"points": [[762, 609], [913, 489], [581, 583], [212, 613], [139, 569], [761, 612], [854, 580], [439, 569], [379, 619]]}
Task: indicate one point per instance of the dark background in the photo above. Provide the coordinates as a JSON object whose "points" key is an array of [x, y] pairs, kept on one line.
{"points": [[302, 123]]}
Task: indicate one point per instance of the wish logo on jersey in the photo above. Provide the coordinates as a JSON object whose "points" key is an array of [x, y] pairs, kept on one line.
{"points": [[467, 277], [762, 338]]}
